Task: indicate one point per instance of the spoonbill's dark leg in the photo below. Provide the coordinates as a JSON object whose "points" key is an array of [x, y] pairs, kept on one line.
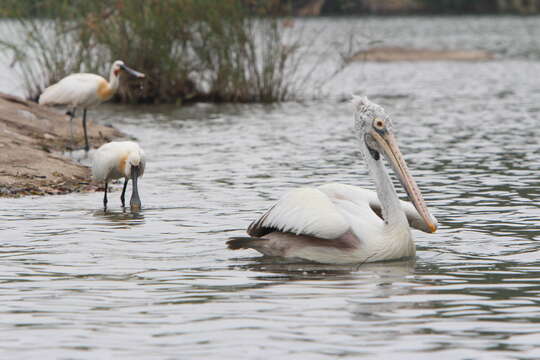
{"points": [[122, 197], [71, 114], [105, 196], [86, 146]]}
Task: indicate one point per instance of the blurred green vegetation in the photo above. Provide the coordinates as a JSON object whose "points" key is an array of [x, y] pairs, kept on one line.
{"points": [[190, 50], [42, 8]]}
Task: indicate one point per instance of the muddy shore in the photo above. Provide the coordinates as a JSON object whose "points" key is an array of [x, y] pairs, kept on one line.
{"points": [[33, 140]]}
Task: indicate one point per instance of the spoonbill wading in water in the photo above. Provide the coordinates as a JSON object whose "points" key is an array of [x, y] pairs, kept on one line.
{"points": [[120, 159], [343, 224], [84, 91]]}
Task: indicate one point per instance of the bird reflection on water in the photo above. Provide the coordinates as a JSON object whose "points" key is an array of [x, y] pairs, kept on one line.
{"points": [[124, 217], [300, 270]]}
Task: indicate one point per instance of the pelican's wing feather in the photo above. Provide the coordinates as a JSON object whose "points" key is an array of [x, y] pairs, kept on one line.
{"points": [[361, 196], [304, 211]]}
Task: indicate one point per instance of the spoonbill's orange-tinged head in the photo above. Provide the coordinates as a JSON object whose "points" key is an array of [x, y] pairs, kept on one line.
{"points": [[119, 66]]}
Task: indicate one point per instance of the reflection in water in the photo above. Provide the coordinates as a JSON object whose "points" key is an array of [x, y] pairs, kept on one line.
{"points": [[125, 217], [290, 270], [82, 283]]}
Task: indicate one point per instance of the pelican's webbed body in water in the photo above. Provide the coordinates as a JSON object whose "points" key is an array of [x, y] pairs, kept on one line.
{"points": [[342, 224]]}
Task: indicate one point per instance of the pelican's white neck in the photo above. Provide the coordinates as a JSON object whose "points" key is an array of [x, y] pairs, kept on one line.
{"points": [[392, 212]]}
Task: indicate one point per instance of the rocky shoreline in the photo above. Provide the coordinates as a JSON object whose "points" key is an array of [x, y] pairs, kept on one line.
{"points": [[32, 141]]}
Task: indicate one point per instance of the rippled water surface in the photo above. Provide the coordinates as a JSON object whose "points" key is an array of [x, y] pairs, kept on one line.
{"points": [[78, 283]]}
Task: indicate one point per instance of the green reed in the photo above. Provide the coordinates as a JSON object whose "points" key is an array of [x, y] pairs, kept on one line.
{"points": [[191, 50]]}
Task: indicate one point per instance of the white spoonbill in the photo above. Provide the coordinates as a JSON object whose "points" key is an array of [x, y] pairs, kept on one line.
{"points": [[85, 90], [120, 159], [343, 224]]}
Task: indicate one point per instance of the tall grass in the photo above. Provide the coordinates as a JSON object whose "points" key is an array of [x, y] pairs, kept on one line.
{"points": [[217, 50]]}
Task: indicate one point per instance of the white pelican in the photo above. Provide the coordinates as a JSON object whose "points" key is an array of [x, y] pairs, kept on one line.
{"points": [[343, 224], [85, 90], [120, 159]]}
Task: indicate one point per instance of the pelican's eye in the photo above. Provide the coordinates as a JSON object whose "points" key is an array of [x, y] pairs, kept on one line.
{"points": [[378, 124]]}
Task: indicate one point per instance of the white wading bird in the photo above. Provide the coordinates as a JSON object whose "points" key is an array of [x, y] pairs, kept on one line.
{"points": [[84, 91], [120, 159], [343, 224]]}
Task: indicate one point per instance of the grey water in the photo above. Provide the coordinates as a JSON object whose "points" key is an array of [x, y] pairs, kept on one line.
{"points": [[79, 283]]}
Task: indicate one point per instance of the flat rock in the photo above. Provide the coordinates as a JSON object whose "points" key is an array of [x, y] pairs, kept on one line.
{"points": [[32, 139], [387, 54]]}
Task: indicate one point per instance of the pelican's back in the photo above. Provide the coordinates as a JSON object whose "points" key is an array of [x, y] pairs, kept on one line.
{"points": [[110, 159]]}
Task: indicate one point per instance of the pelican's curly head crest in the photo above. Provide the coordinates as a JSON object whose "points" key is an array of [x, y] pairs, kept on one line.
{"points": [[366, 111]]}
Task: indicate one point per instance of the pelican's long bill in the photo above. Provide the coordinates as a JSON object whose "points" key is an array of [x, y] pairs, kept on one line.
{"points": [[388, 144], [132, 72]]}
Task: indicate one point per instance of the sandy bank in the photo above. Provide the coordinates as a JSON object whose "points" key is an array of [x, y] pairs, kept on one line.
{"points": [[32, 139], [406, 54]]}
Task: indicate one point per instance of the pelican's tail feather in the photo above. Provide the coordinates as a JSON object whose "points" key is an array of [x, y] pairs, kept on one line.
{"points": [[244, 242]]}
